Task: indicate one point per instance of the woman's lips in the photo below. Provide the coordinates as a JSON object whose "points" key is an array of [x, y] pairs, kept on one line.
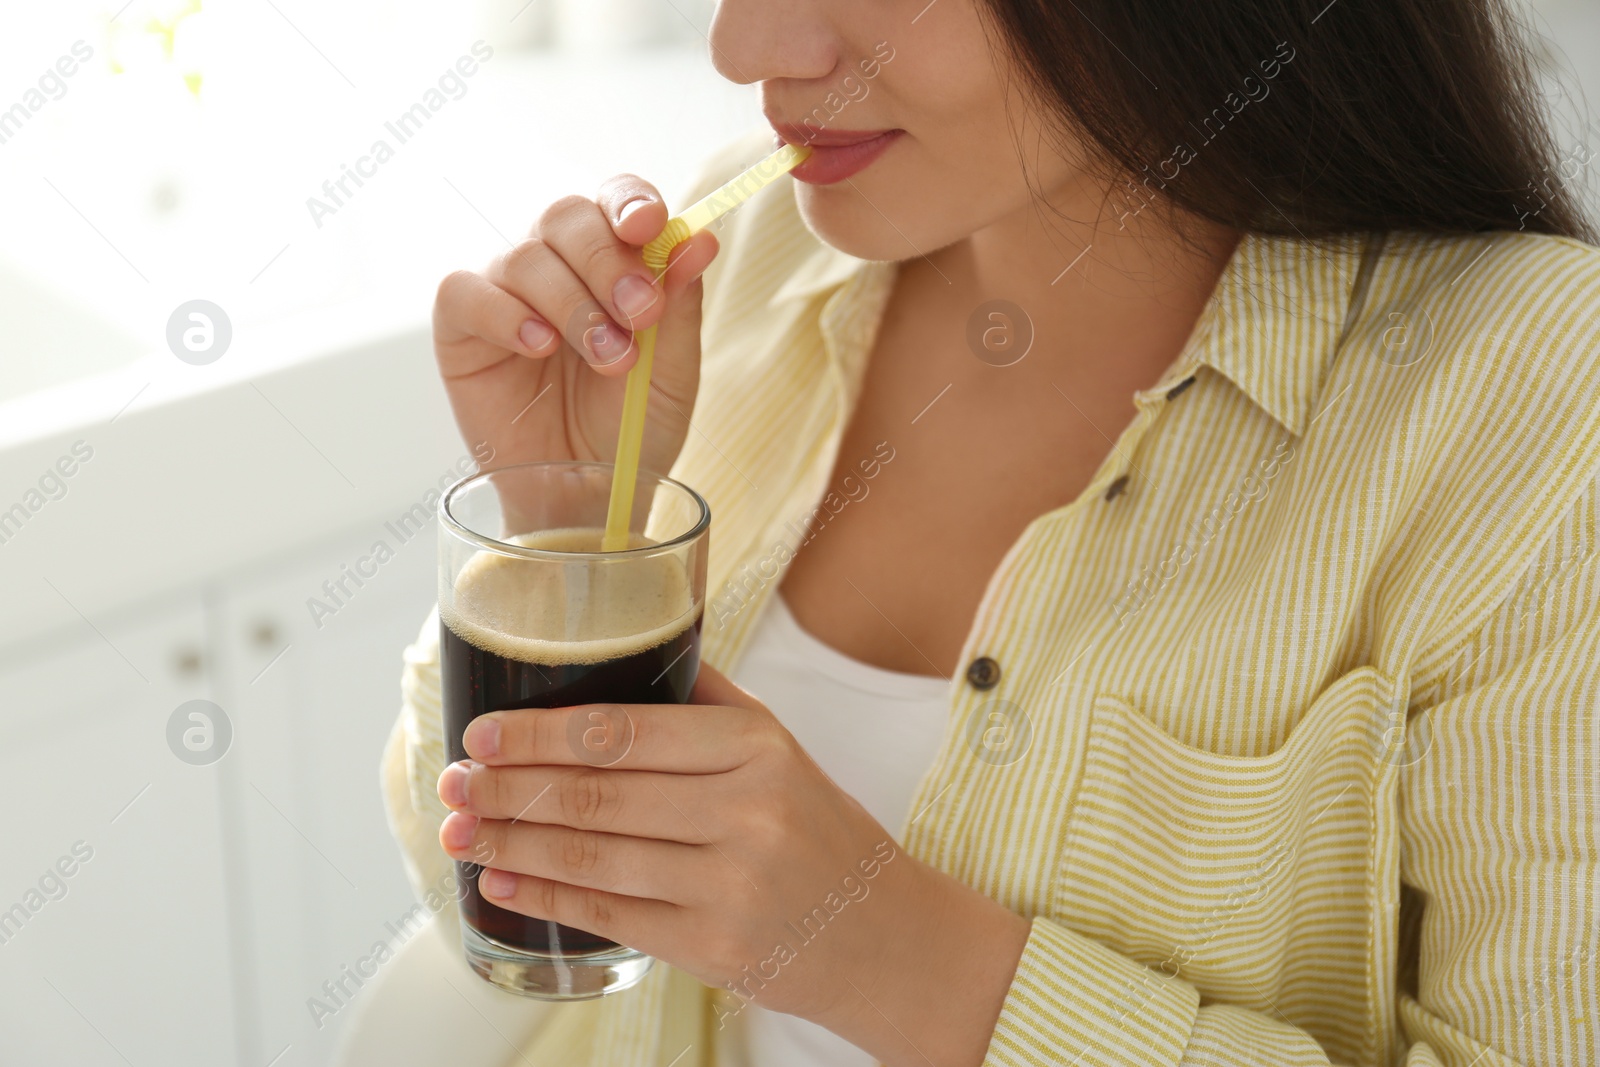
{"points": [[837, 154]]}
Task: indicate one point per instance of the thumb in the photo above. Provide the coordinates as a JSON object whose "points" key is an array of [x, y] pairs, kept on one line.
{"points": [[678, 333], [677, 364]]}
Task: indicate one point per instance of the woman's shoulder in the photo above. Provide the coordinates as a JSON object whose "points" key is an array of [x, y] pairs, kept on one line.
{"points": [[1506, 281], [1495, 388], [1515, 313]]}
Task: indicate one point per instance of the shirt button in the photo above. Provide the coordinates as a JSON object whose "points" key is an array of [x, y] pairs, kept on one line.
{"points": [[983, 673], [1180, 387], [1116, 486]]}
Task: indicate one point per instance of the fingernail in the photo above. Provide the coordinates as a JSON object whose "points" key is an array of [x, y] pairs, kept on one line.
{"points": [[535, 334], [497, 884], [457, 830], [633, 295], [482, 737], [605, 344], [453, 784], [631, 206]]}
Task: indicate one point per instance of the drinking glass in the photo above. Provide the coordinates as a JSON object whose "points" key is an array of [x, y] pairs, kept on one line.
{"points": [[533, 615]]}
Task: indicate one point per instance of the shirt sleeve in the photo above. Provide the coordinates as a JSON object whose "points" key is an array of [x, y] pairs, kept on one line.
{"points": [[412, 763], [1499, 822], [1500, 825]]}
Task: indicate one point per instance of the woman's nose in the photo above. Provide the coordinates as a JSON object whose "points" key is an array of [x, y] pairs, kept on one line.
{"points": [[754, 41]]}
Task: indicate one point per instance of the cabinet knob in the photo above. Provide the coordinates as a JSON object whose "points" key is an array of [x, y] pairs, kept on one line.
{"points": [[264, 634], [188, 661]]}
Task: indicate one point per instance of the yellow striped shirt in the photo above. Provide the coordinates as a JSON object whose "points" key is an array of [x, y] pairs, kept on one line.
{"points": [[1293, 753]]}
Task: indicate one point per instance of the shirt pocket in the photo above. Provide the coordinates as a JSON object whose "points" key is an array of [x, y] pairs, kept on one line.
{"points": [[1268, 882]]}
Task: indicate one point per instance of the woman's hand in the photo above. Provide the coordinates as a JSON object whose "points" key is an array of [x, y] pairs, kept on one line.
{"points": [[534, 349], [705, 836]]}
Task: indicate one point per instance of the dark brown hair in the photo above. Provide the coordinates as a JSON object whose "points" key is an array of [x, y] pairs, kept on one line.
{"points": [[1301, 117]]}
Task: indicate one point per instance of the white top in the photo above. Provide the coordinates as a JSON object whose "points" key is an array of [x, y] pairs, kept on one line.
{"points": [[874, 732]]}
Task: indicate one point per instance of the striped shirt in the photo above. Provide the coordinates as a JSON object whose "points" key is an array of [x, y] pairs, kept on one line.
{"points": [[1286, 732]]}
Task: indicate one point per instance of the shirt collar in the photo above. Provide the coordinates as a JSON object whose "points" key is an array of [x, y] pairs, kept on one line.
{"points": [[1274, 322], [1272, 325]]}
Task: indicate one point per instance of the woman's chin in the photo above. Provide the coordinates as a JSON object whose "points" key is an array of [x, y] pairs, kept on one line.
{"points": [[842, 217]]}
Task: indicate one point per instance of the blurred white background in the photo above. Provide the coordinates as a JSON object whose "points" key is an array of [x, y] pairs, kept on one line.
{"points": [[207, 505], [177, 561]]}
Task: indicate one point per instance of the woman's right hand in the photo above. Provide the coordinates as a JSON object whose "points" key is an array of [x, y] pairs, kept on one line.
{"points": [[534, 350]]}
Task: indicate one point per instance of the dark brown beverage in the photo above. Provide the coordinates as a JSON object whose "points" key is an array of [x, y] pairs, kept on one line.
{"points": [[517, 637]]}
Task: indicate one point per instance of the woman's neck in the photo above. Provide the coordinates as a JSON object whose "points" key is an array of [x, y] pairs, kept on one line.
{"points": [[1093, 278]]}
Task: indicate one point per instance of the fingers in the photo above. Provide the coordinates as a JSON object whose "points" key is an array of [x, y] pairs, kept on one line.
{"points": [[635, 803], [610, 268], [634, 208], [538, 276], [631, 866], [675, 738], [580, 278], [689, 260], [469, 305], [626, 920], [637, 215]]}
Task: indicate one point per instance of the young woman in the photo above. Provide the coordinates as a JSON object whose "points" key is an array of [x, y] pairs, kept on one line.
{"points": [[1152, 450]]}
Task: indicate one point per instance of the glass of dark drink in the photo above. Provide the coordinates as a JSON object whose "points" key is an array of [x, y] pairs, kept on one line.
{"points": [[533, 615]]}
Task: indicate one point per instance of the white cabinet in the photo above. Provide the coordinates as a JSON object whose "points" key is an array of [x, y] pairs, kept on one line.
{"points": [[221, 900], [130, 958], [312, 708], [217, 899]]}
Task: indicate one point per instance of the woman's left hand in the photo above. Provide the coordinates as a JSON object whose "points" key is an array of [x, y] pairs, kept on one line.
{"points": [[705, 836]]}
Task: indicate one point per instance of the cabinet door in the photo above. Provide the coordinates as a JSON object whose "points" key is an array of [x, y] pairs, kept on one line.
{"points": [[115, 944], [311, 669]]}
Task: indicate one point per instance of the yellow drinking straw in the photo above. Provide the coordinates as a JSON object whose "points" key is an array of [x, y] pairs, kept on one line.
{"points": [[636, 396]]}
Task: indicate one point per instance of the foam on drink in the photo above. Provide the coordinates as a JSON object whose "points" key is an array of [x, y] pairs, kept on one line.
{"points": [[543, 613]]}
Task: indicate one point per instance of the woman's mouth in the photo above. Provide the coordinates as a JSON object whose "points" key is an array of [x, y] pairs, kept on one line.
{"points": [[835, 154]]}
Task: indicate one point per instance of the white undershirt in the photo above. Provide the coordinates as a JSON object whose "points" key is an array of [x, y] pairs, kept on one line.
{"points": [[874, 732]]}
